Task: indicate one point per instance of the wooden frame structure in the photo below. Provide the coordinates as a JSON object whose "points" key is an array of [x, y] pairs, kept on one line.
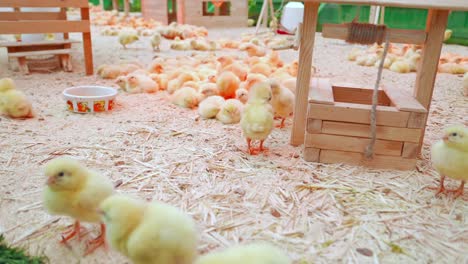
{"points": [[19, 22], [333, 119], [191, 12]]}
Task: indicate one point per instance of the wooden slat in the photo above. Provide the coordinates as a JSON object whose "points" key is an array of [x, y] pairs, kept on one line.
{"points": [[39, 53], [425, 4], [410, 150], [321, 91], [360, 130], [15, 16], [314, 125], [340, 31], [311, 154], [44, 3], [403, 101], [38, 48], [304, 72], [87, 44], [378, 161], [38, 43], [417, 120], [352, 144], [358, 95], [358, 113], [50, 26]]}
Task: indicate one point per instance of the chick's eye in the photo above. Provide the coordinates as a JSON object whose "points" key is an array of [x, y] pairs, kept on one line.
{"points": [[454, 134], [61, 174]]}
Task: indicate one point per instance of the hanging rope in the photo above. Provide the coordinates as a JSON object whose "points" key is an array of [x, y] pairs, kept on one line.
{"points": [[365, 33]]}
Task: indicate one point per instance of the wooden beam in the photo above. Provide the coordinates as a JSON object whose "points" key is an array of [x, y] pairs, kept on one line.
{"points": [[403, 101], [51, 26], [314, 126], [87, 45], [44, 3], [409, 36], [378, 161], [357, 113], [15, 16], [311, 154], [352, 144], [304, 72], [39, 53], [426, 74], [321, 91], [37, 43]]}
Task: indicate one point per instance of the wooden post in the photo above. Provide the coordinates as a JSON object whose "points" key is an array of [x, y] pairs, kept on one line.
{"points": [[115, 5], [87, 45], [303, 77], [427, 68], [180, 11], [261, 16], [127, 7]]}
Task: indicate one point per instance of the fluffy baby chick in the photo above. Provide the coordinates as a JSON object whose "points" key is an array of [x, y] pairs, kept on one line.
{"points": [[257, 118], [127, 37], [465, 84], [156, 41], [138, 83], [238, 69], [75, 191], [447, 34], [230, 112], [15, 104], [149, 233], [355, 52], [186, 97], [210, 107], [242, 95], [160, 79], [49, 36], [254, 78], [290, 83], [400, 66], [208, 89], [282, 101], [254, 253], [250, 22], [227, 84], [178, 44], [7, 84], [261, 68], [254, 50], [450, 155]]}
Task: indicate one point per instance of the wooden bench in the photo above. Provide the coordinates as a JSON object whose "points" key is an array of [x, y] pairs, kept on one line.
{"points": [[20, 22]]}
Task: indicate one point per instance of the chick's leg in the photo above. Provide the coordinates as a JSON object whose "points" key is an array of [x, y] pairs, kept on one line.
{"points": [[76, 230], [249, 146], [441, 188], [99, 241], [261, 146], [282, 123], [459, 191]]}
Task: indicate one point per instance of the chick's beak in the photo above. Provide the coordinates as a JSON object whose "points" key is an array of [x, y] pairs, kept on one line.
{"points": [[100, 212], [445, 138], [50, 181]]}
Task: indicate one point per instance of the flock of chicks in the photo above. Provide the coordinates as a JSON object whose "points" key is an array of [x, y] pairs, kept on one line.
{"points": [[406, 58], [227, 87], [145, 232]]}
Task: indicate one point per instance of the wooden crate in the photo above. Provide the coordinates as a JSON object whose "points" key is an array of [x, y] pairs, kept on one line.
{"points": [[338, 126]]}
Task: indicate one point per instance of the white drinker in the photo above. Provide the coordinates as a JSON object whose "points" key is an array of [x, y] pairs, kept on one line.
{"points": [[293, 14]]}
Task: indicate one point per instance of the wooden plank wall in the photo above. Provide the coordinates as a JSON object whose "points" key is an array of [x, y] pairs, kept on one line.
{"points": [[155, 9], [238, 17]]}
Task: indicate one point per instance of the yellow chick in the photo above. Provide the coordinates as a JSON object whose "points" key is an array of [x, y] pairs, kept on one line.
{"points": [[261, 68], [257, 118], [186, 97], [75, 191], [227, 84], [242, 95], [355, 52], [238, 69], [156, 41], [254, 78], [7, 84], [178, 44], [149, 233], [447, 34], [450, 155], [49, 36], [400, 66], [282, 101], [254, 50], [127, 37], [465, 84], [453, 68], [208, 89], [210, 107], [290, 83], [161, 79], [230, 112], [15, 104], [254, 253], [140, 83], [250, 22]]}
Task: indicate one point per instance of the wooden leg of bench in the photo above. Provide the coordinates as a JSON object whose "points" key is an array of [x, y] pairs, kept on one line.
{"points": [[23, 65], [65, 62]]}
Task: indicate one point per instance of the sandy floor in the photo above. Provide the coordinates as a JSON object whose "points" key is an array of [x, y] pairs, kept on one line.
{"points": [[162, 152]]}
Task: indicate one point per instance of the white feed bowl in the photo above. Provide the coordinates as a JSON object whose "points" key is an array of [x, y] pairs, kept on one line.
{"points": [[293, 14], [89, 99]]}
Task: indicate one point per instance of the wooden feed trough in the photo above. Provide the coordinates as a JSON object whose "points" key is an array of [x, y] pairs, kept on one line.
{"points": [[19, 22], [227, 13], [332, 120]]}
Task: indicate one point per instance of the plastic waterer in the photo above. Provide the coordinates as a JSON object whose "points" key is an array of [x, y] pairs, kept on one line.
{"points": [[293, 14]]}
